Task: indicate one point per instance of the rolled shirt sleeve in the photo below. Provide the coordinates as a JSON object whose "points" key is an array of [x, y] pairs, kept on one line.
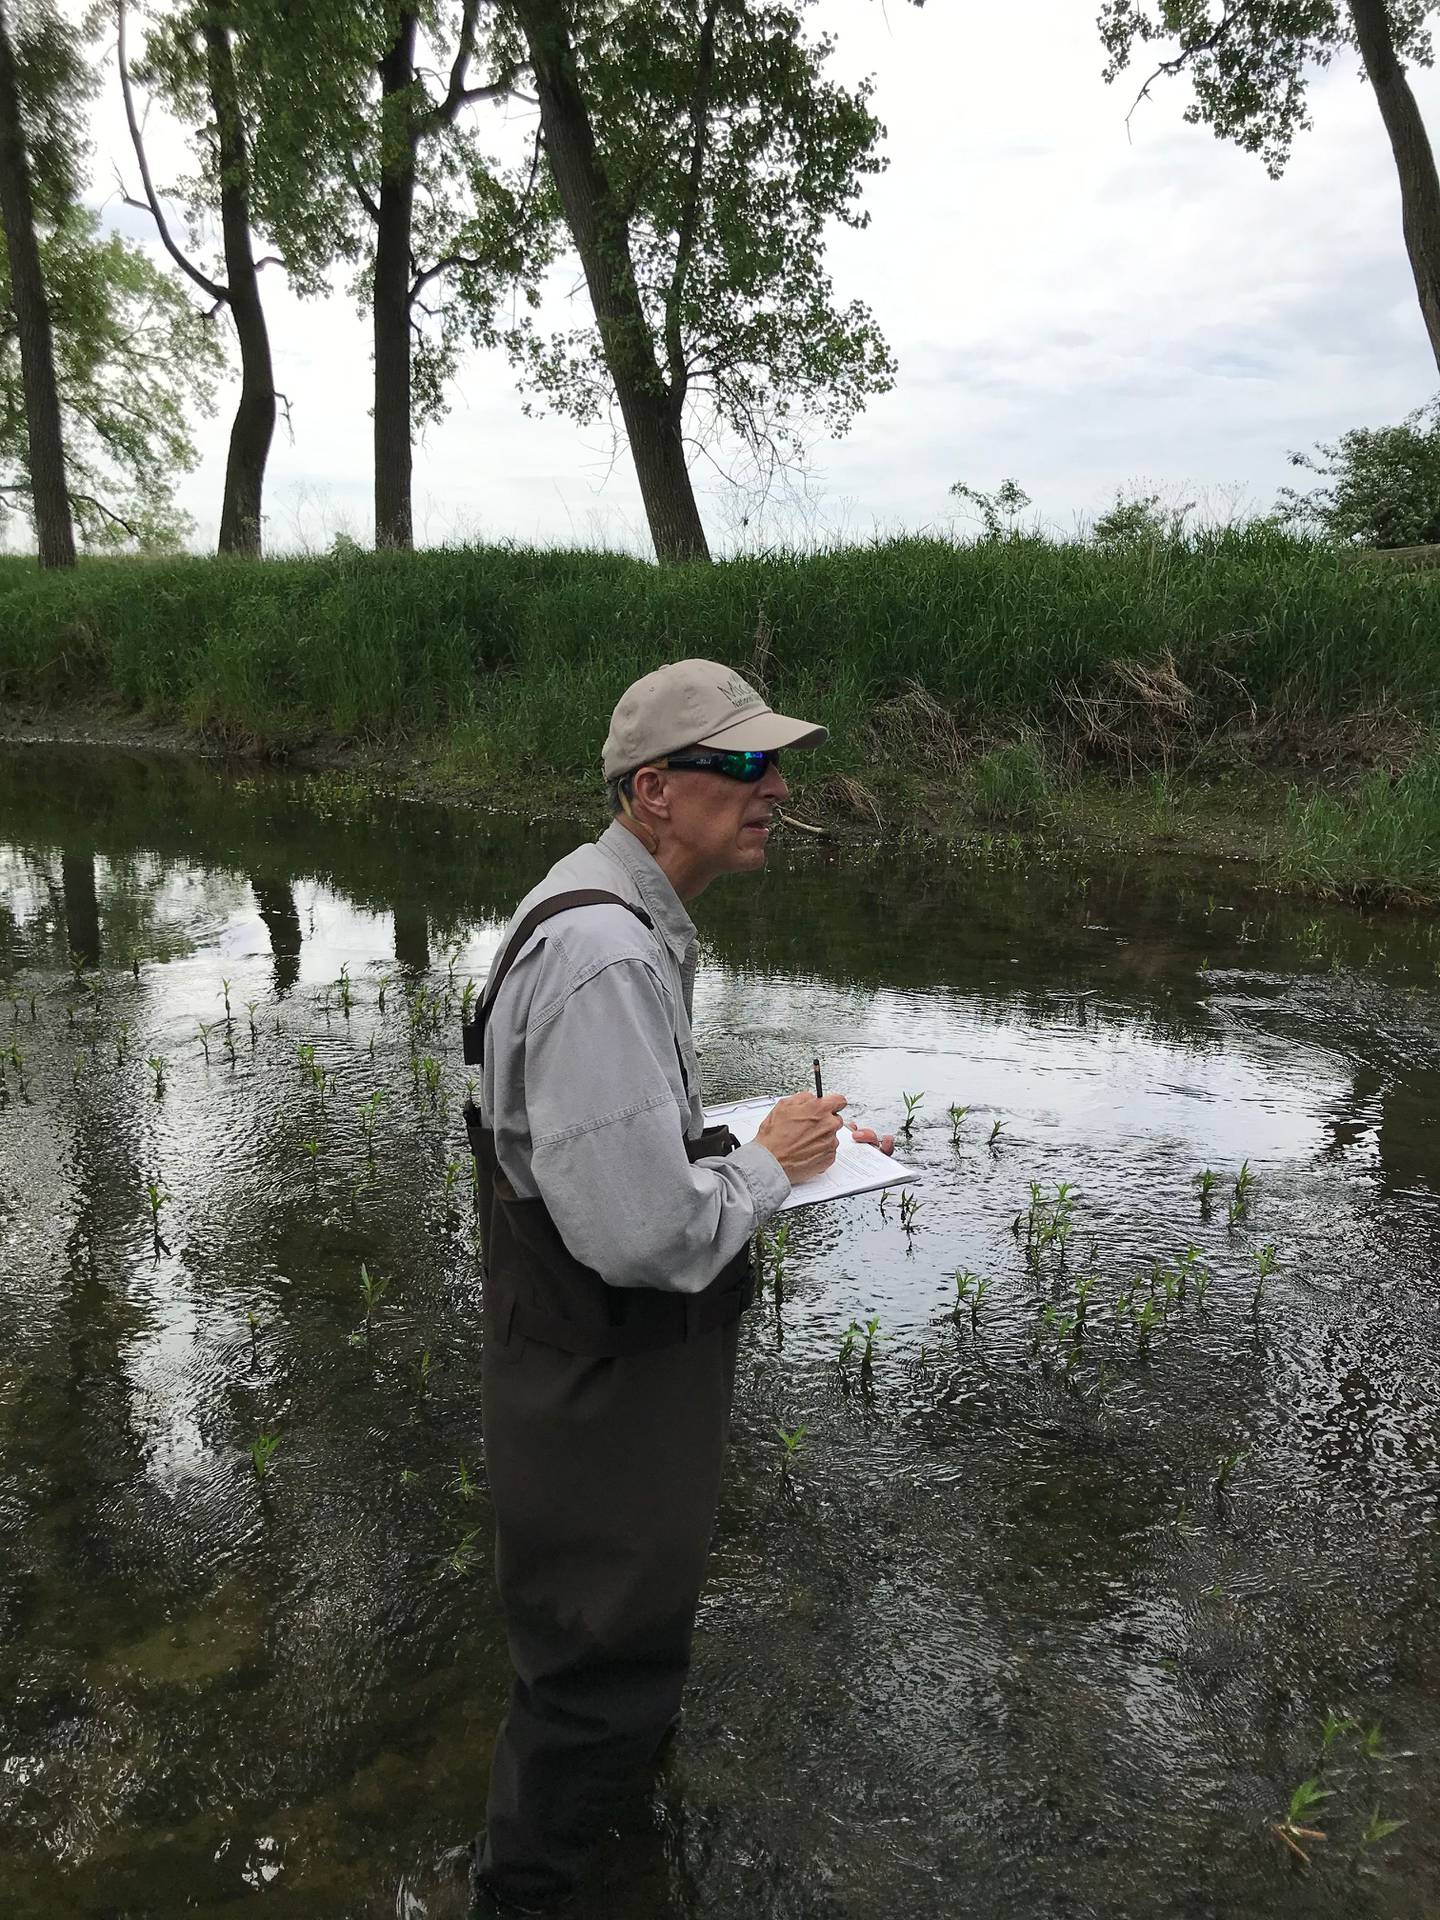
{"points": [[607, 1107]]}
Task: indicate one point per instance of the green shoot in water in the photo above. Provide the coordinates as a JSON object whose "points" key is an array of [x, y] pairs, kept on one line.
{"points": [[347, 998], [792, 1439], [157, 1064], [1305, 1803], [912, 1102], [262, 1452], [422, 1372], [775, 1245], [463, 1556], [1207, 1183], [462, 1483], [383, 984], [158, 1198], [1376, 1830], [909, 1208], [995, 1133], [1332, 1727], [1265, 1266], [956, 1116], [965, 1284], [225, 989], [312, 1148], [250, 1006], [1224, 1470], [872, 1335], [369, 1111], [202, 1034], [1145, 1321], [122, 1043], [372, 1291], [847, 1343]]}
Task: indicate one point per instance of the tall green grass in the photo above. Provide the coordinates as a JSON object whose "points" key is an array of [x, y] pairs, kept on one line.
{"points": [[1381, 838], [516, 655]]}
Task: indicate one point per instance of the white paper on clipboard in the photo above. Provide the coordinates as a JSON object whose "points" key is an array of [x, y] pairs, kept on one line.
{"points": [[856, 1168]]}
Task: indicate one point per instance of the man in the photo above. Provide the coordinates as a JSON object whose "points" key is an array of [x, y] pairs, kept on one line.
{"points": [[616, 1235]]}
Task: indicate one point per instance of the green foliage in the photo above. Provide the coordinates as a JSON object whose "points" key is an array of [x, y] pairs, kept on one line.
{"points": [[1012, 784], [1249, 65], [132, 354], [1381, 484], [322, 138], [997, 511], [55, 83], [1140, 520], [1383, 837], [731, 149], [513, 656]]}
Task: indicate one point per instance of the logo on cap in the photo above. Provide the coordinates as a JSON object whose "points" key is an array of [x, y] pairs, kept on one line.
{"points": [[738, 692]]}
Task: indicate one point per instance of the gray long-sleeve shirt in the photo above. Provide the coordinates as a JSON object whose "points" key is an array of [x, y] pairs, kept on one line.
{"points": [[590, 1080]]}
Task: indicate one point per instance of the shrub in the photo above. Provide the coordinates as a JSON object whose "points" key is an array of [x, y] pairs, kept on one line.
{"points": [[1383, 484]]}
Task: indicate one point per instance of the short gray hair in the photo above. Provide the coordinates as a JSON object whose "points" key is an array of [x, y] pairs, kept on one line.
{"points": [[617, 792]]}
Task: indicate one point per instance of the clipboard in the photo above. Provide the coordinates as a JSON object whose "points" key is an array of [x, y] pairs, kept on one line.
{"points": [[856, 1168]]}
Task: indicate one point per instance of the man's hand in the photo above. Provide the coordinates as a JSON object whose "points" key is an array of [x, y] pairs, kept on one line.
{"points": [[867, 1137], [802, 1133]]}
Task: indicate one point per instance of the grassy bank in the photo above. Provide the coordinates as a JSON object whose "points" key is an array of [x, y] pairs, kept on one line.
{"points": [[991, 677]]}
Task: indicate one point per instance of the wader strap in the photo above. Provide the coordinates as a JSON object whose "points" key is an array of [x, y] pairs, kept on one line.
{"points": [[472, 1033]]}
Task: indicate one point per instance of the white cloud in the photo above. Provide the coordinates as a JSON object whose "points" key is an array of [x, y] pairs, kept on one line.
{"points": [[1069, 303]]}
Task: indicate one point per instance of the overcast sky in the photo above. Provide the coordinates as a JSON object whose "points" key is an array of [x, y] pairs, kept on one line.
{"points": [[1074, 305]]}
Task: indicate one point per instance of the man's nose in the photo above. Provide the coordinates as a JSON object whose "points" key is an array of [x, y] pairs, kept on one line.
{"points": [[774, 785]]}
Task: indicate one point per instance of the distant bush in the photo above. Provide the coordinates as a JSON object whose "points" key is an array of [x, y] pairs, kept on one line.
{"points": [[1382, 484], [1140, 520]]}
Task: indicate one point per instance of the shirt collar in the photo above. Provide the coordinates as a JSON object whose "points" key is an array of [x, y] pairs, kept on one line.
{"points": [[659, 898]]}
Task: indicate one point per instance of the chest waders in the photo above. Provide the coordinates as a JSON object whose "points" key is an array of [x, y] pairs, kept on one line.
{"points": [[605, 1413]]}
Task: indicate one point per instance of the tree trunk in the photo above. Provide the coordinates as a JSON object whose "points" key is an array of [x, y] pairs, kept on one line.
{"points": [[54, 531], [1414, 157], [254, 425], [391, 294], [602, 240]]}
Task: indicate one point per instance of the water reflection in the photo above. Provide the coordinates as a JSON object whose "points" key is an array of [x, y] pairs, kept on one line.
{"points": [[995, 1643]]}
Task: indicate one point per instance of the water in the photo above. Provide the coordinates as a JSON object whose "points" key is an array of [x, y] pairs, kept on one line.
{"points": [[993, 1644]]}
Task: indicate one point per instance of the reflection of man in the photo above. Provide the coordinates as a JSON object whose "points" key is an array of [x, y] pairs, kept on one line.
{"points": [[616, 1237]]}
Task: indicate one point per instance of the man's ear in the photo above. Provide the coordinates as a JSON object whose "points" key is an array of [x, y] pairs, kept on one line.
{"points": [[648, 786]]}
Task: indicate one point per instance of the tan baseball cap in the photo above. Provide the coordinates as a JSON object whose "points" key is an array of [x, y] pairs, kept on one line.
{"points": [[697, 703]]}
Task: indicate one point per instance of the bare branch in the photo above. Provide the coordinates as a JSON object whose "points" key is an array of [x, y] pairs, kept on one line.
{"points": [[151, 202], [109, 512]]}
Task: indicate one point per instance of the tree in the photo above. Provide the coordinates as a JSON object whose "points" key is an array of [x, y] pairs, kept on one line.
{"points": [[132, 355], [1381, 485], [1250, 62], [361, 157], [192, 57], [41, 82], [698, 153]]}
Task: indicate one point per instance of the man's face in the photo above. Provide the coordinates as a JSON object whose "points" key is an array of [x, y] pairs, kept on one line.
{"points": [[717, 825]]}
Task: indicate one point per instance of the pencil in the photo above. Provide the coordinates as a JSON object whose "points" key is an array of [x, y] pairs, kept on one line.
{"points": [[819, 1089]]}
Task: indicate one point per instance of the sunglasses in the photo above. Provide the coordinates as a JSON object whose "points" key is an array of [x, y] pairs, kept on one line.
{"points": [[748, 767]]}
